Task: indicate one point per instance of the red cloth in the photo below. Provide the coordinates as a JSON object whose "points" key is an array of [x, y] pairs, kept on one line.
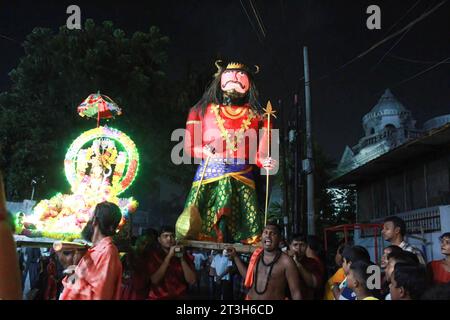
{"points": [[315, 267], [135, 287], [248, 283], [135, 282], [319, 270], [173, 285], [51, 289], [437, 272], [203, 130], [98, 274]]}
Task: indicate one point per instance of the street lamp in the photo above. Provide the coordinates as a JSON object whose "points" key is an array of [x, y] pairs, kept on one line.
{"points": [[33, 184]]}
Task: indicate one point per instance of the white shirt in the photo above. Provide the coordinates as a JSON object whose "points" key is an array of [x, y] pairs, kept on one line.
{"points": [[220, 264], [198, 259]]}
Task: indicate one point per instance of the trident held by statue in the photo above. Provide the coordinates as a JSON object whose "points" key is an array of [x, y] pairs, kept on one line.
{"points": [[269, 112]]}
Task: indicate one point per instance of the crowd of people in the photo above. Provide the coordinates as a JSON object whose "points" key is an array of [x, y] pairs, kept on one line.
{"points": [[157, 268]]}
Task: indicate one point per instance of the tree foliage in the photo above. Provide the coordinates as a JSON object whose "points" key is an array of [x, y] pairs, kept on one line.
{"points": [[334, 206], [38, 118]]}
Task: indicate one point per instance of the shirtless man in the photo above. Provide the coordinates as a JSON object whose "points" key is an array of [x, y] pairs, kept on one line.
{"points": [[270, 270]]}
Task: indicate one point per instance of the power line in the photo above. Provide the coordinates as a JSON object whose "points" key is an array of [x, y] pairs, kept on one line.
{"points": [[10, 39], [261, 40], [401, 38], [390, 49], [422, 72], [251, 22], [376, 45], [402, 17], [412, 60], [258, 18], [410, 25], [266, 47]]}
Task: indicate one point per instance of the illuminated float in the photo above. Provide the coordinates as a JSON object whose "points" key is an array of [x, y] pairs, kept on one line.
{"points": [[99, 165]]}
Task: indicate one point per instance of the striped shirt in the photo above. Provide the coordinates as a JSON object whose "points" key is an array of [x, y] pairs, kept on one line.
{"points": [[407, 247]]}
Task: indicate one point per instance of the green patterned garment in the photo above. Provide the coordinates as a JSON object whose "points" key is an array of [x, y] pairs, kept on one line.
{"points": [[228, 208]]}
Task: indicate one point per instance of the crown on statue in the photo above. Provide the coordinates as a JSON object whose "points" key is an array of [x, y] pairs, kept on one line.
{"points": [[232, 65], [236, 65]]}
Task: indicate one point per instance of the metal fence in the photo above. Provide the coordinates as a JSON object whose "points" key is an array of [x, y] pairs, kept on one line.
{"points": [[418, 221]]}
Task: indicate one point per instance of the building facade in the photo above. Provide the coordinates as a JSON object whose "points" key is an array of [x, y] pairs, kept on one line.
{"points": [[400, 170]]}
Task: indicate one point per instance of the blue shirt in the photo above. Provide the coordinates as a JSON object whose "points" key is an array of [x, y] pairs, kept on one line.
{"points": [[220, 263]]}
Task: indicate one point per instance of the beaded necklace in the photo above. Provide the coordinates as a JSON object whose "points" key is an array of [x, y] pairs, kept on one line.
{"points": [[270, 265]]}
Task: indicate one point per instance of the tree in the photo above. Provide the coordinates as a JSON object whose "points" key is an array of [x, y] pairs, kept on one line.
{"points": [[38, 117], [333, 206], [343, 203]]}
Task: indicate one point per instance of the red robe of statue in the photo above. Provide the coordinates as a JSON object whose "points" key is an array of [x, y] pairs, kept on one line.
{"points": [[227, 200]]}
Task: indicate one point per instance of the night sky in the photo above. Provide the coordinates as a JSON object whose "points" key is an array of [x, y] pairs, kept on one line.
{"points": [[335, 32]]}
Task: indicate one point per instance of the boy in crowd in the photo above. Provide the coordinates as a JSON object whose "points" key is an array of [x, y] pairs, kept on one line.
{"points": [[337, 277], [350, 255], [392, 249], [398, 257], [386, 252], [357, 280], [408, 282]]}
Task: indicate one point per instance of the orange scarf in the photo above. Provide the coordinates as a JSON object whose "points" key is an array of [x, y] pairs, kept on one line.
{"points": [[251, 267]]}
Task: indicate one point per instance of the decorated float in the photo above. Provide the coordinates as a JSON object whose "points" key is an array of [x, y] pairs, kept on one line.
{"points": [[99, 165]]}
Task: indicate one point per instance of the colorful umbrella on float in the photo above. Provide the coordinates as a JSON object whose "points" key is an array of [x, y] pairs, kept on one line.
{"points": [[98, 106]]}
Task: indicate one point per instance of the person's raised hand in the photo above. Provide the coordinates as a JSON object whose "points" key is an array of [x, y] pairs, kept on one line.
{"points": [[269, 163], [231, 252], [209, 150], [171, 252]]}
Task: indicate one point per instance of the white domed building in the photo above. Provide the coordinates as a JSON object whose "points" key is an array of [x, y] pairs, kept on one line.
{"points": [[398, 169], [388, 125]]}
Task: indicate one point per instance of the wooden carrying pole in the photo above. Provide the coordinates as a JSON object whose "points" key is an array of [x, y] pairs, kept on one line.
{"points": [[22, 241], [63, 246], [240, 248]]}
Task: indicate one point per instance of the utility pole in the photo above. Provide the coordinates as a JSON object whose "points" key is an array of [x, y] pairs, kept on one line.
{"points": [[284, 145], [297, 167], [309, 163]]}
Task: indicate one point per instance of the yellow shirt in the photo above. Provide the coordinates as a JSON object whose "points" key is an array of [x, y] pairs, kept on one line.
{"points": [[338, 277], [370, 298]]}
